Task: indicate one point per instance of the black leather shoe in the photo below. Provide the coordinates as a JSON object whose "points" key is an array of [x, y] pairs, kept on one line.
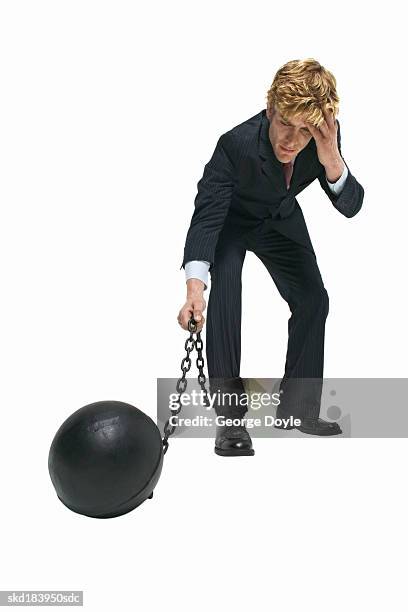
{"points": [[233, 441], [316, 427], [319, 427]]}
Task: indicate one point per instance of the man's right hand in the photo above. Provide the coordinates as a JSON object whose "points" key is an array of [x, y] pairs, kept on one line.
{"points": [[194, 306]]}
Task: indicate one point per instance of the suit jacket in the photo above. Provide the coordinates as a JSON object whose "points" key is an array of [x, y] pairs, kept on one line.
{"points": [[243, 184]]}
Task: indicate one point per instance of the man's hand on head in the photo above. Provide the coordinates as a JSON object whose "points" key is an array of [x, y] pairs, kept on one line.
{"points": [[326, 145]]}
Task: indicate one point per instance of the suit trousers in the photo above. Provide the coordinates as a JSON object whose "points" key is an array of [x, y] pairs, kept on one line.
{"points": [[294, 270]]}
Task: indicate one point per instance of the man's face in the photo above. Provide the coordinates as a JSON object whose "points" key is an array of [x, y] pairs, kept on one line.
{"points": [[294, 135]]}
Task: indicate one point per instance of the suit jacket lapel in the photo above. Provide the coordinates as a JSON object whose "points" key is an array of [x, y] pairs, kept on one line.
{"points": [[270, 165]]}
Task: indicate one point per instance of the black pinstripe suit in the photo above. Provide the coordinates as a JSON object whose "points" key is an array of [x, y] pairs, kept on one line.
{"points": [[243, 204]]}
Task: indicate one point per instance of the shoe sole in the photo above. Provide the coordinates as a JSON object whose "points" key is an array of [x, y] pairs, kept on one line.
{"points": [[243, 452], [329, 432]]}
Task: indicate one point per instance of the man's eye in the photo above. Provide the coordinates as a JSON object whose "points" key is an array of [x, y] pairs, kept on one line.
{"points": [[304, 130]]}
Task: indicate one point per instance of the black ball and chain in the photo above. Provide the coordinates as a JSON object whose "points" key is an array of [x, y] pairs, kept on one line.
{"points": [[107, 457]]}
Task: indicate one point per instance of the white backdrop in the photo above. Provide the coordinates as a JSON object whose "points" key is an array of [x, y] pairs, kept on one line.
{"points": [[109, 111]]}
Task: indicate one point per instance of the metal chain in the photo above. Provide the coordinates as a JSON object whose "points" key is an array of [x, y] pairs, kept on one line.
{"points": [[181, 384]]}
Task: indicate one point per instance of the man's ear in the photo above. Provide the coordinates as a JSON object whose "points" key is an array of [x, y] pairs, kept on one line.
{"points": [[270, 113]]}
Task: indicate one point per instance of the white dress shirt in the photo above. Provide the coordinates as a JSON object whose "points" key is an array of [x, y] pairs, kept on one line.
{"points": [[199, 269]]}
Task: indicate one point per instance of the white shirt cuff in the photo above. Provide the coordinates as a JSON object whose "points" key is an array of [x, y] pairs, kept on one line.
{"points": [[197, 269], [337, 187]]}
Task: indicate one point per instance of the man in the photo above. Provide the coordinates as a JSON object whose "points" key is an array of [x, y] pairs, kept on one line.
{"points": [[246, 201]]}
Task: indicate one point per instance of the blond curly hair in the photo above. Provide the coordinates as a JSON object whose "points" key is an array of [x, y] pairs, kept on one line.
{"points": [[303, 87]]}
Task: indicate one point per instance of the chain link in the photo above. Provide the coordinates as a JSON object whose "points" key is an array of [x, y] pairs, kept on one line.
{"points": [[181, 384]]}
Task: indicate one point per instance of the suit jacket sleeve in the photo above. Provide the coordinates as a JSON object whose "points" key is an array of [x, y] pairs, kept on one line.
{"points": [[350, 200], [211, 203]]}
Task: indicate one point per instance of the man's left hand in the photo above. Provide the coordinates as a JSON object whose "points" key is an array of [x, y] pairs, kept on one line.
{"points": [[326, 144]]}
